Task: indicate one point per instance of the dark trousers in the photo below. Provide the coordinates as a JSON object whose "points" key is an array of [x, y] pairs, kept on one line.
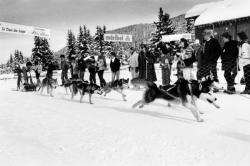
{"points": [[92, 77], [230, 73], [81, 75], [19, 80], [102, 80], [64, 77], [246, 70], [206, 69]]}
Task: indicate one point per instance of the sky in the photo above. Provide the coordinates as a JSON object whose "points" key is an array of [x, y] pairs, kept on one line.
{"points": [[61, 15]]}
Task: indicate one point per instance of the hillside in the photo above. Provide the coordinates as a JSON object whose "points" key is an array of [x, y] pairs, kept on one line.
{"points": [[142, 32]]}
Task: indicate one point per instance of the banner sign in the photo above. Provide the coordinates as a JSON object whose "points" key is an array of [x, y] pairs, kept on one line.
{"points": [[176, 37], [117, 38], [25, 30]]}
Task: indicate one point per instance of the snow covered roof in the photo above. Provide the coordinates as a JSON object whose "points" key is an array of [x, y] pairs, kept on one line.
{"points": [[198, 9], [224, 10]]}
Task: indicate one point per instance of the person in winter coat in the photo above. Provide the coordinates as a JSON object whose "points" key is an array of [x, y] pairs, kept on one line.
{"points": [[244, 59], [165, 64], [18, 70], [65, 68], [142, 63], [38, 69], [229, 57], [92, 70], [74, 68], [210, 55], [115, 65], [133, 63], [101, 67], [81, 67], [187, 58], [50, 66], [198, 49], [25, 70]]}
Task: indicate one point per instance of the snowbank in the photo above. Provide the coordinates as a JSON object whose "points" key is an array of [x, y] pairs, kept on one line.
{"points": [[198, 9], [225, 10]]}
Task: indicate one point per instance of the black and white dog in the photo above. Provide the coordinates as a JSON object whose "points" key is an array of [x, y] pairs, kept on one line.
{"points": [[84, 87], [175, 94], [117, 86]]}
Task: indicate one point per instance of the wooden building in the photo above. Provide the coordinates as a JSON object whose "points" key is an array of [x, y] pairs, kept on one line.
{"points": [[231, 16]]}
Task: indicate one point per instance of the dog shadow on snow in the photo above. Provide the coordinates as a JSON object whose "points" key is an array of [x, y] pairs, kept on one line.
{"points": [[149, 113]]}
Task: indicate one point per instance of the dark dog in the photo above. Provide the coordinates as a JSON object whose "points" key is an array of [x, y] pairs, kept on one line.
{"points": [[199, 90], [117, 86], [175, 94], [84, 87]]}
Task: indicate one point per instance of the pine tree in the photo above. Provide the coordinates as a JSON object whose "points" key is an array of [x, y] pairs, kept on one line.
{"points": [[41, 50], [99, 38], [164, 26], [71, 44], [83, 40]]}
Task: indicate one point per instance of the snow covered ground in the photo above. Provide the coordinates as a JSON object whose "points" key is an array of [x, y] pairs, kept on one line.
{"points": [[39, 130]]}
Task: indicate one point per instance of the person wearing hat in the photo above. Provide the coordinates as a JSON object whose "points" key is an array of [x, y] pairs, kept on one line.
{"points": [[229, 58], [64, 68], [115, 65], [244, 59], [210, 55]]}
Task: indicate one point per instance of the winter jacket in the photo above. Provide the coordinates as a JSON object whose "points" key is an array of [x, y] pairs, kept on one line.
{"points": [[115, 65], [101, 63], [211, 51], [133, 60], [229, 51], [81, 65], [64, 66], [244, 54], [38, 68]]}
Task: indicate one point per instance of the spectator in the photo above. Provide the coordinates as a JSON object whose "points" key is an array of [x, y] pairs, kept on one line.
{"points": [[92, 70], [74, 68], [115, 65], [65, 68], [18, 70], [81, 67], [26, 69], [50, 68], [38, 69], [142, 62], [211, 53], [102, 66], [187, 58], [198, 49], [133, 63], [165, 64], [244, 59], [229, 58]]}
